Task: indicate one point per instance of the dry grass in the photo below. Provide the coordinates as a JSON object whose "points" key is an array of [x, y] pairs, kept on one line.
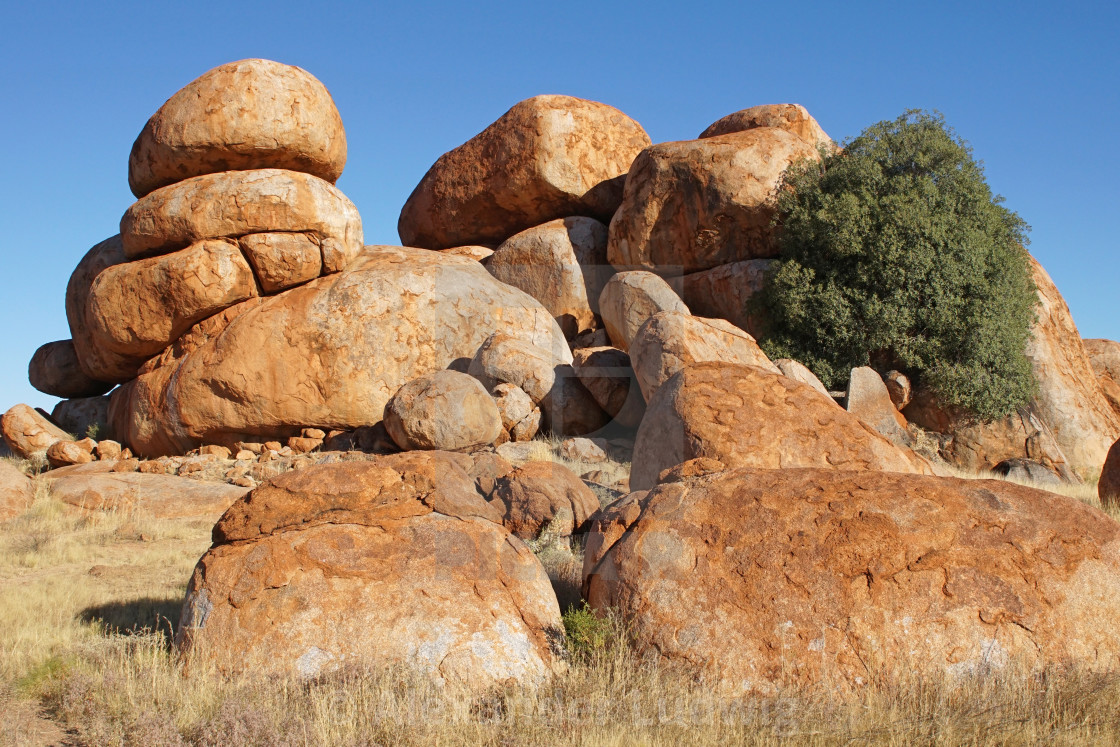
{"points": [[87, 605]]}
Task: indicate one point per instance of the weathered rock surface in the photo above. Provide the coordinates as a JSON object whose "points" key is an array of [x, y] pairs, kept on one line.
{"points": [[1104, 357], [250, 114], [479, 253], [724, 292], [798, 372], [66, 452], [521, 418], [98, 363], [792, 118], [819, 577], [1108, 489], [899, 388], [548, 157], [607, 374], [232, 204], [1028, 470], [629, 299], [975, 446], [697, 204], [329, 353], [139, 308], [562, 264], [546, 376], [745, 416], [149, 495], [1069, 397], [446, 410], [281, 260], [870, 401], [77, 415], [587, 450], [16, 491], [26, 432], [544, 495], [669, 341], [393, 561], [1069, 425], [55, 370]]}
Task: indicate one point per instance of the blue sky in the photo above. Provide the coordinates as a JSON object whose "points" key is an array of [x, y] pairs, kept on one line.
{"points": [[1035, 88]]}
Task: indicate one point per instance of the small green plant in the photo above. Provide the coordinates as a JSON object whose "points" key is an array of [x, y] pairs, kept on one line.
{"points": [[896, 254], [93, 431], [588, 633]]}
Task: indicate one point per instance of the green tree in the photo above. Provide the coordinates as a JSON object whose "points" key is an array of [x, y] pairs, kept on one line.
{"points": [[895, 253]]}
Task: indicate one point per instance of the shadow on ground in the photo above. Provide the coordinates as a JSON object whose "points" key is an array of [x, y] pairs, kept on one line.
{"points": [[155, 613]]}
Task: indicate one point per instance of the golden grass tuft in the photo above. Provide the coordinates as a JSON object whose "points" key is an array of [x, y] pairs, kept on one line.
{"points": [[88, 603]]}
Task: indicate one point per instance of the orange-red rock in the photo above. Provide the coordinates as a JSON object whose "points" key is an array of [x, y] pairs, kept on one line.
{"points": [[27, 432], [397, 561], [54, 369], [1108, 488], [798, 372], [281, 260], [1069, 398], [548, 157], [446, 410], [65, 452], [807, 577], [16, 491], [696, 204], [150, 495], [607, 374], [1104, 357], [329, 353], [629, 299], [725, 292], [562, 264], [544, 495], [250, 114], [976, 446], [546, 376], [792, 118], [870, 400], [669, 341], [745, 416], [138, 308], [98, 363], [231, 204]]}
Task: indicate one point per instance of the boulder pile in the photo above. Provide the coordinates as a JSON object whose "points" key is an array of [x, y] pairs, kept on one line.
{"points": [[362, 421]]}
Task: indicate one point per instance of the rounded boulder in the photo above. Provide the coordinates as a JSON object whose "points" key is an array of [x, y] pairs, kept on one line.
{"points": [[250, 114], [448, 411]]}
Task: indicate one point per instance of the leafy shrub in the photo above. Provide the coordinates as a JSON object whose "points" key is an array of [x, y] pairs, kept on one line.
{"points": [[895, 253], [588, 634]]}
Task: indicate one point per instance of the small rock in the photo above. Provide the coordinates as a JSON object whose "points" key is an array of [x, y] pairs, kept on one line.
{"points": [[313, 433], [127, 465], [899, 389], [65, 453], [214, 450], [244, 481], [245, 455], [250, 446], [447, 410], [272, 445], [108, 450], [302, 445], [589, 450], [152, 468]]}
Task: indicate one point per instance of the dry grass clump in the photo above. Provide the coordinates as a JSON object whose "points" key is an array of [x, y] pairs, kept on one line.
{"points": [[88, 603]]}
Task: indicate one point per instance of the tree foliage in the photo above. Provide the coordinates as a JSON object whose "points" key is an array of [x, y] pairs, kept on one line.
{"points": [[894, 252]]}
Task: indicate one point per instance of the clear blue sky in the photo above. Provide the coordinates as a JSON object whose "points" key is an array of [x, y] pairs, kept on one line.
{"points": [[1034, 87]]}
